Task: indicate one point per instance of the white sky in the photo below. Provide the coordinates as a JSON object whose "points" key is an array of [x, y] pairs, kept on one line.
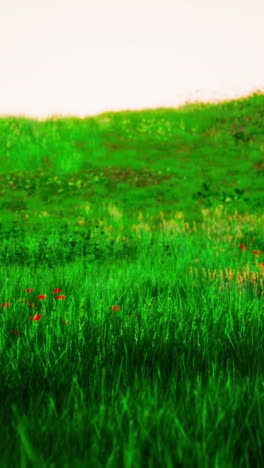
{"points": [[84, 57]]}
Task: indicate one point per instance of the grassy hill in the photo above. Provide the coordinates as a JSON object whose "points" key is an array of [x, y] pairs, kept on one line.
{"points": [[132, 281]]}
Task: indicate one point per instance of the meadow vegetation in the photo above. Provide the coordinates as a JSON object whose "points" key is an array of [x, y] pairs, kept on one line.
{"points": [[132, 284]]}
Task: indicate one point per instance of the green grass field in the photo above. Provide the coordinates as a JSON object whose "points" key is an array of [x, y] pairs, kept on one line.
{"points": [[132, 285]]}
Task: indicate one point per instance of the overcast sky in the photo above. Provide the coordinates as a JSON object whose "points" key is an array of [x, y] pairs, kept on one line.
{"points": [[84, 57]]}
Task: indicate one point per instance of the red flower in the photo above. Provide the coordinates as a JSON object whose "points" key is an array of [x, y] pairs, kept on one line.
{"points": [[36, 317]]}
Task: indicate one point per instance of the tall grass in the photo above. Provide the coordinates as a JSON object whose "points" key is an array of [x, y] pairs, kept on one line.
{"points": [[132, 271]]}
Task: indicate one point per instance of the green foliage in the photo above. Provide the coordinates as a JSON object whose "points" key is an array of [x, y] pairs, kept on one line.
{"points": [[113, 352]]}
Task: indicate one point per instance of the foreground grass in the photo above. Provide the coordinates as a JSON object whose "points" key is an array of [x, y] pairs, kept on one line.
{"points": [[139, 343]]}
